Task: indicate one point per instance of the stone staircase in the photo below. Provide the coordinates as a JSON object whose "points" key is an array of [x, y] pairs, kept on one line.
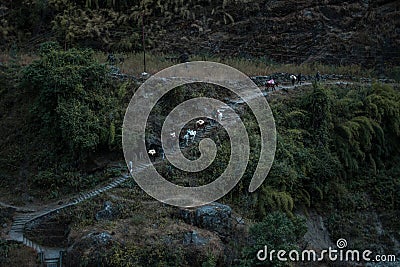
{"points": [[52, 257]]}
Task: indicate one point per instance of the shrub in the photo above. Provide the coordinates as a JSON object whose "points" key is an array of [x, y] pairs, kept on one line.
{"points": [[277, 232], [74, 100]]}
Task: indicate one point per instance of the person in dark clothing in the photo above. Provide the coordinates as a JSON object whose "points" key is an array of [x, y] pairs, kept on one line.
{"points": [[317, 76], [293, 79], [299, 78]]}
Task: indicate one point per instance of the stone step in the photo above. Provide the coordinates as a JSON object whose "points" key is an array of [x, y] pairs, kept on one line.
{"points": [[22, 219], [19, 223], [51, 264], [16, 225]]}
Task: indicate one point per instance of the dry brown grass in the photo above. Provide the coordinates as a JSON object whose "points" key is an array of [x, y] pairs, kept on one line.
{"points": [[133, 65], [133, 62], [22, 59]]}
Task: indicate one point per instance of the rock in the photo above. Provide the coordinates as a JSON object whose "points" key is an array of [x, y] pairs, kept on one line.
{"points": [[100, 238], [214, 217], [194, 238], [240, 220], [4, 225], [108, 213], [116, 73], [307, 14]]}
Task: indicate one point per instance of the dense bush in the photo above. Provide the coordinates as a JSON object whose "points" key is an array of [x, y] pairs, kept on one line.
{"points": [[75, 103], [277, 232], [330, 141]]}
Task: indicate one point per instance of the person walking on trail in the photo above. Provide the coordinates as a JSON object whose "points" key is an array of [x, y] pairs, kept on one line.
{"points": [[299, 78], [317, 76], [171, 139], [161, 151], [217, 115], [293, 78]]}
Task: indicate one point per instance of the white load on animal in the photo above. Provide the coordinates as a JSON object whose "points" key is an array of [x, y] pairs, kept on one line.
{"points": [[152, 153], [219, 115], [200, 124], [192, 134]]}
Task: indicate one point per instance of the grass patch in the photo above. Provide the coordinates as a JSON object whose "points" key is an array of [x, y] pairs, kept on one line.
{"points": [[133, 65]]}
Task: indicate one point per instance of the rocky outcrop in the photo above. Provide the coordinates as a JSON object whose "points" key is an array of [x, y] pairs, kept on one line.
{"points": [[214, 217], [194, 238]]}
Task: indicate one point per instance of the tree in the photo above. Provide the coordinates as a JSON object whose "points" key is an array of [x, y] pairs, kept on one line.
{"points": [[75, 102]]}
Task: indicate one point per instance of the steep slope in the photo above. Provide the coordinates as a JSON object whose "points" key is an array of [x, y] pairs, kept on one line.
{"points": [[330, 31]]}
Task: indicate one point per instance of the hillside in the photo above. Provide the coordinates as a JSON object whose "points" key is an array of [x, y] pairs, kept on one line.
{"points": [[336, 32], [330, 31], [64, 186], [68, 71]]}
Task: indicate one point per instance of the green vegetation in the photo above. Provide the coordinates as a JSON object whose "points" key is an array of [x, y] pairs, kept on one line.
{"points": [[75, 101], [338, 145], [147, 255], [70, 109], [329, 138], [277, 232], [338, 151]]}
